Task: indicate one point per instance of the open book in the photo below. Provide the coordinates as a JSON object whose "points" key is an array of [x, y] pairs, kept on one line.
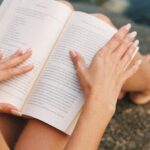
{"points": [[51, 92]]}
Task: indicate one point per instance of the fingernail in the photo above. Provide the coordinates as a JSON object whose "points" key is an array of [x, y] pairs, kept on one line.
{"points": [[136, 43], [29, 51], [133, 34], [128, 26], [135, 52], [74, 54], [18, 52], [15, 112]]}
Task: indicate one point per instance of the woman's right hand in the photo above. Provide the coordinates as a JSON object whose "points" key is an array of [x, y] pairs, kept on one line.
{"points": [[9, 68], [103, 79]]}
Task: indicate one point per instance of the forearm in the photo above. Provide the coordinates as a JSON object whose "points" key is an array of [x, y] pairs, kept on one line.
{"points": [[90, 127]]}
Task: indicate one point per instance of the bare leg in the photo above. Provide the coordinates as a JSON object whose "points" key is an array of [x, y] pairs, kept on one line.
{"points": [[3, 145], [38, 135], [11, 127]]}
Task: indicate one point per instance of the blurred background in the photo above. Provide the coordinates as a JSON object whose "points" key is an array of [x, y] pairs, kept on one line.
{"points": [[138, 10], [130, 127]]}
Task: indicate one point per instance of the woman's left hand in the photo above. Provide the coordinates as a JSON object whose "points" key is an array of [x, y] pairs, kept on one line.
{"points": [[107, 73]]}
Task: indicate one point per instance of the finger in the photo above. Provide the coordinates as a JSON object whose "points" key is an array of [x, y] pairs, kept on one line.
{"points": [[79, 62], [16, 61], [10, 73], [16, 54], [73, 57], [130, 72], [116, 39], [10, 109], [77, 59], [126, 43], [80, 66], [128, 56]]}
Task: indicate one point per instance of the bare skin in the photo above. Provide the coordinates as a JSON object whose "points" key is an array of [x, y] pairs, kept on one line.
{"points": [[52, 136], [3, 145]]}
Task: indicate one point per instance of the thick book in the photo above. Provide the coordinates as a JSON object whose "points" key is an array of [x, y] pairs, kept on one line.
{"points": [[51, 92]]}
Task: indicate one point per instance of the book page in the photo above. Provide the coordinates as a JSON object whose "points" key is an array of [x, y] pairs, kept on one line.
{"points": [[34, 24], [57, 98], [4, 7]]}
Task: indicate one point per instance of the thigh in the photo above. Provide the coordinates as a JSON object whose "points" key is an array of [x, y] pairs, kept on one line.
{"points": [[11, 127], [38, 135], [3, 145], [103, 17]]}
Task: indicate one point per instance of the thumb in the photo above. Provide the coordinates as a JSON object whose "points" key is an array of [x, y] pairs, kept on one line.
{"points": [[81, 68], [78, 60]]}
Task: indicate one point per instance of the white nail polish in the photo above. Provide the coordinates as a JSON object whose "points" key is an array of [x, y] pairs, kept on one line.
{"points": [[128, 26], [136, 43], [74, 53], [133, 34]]}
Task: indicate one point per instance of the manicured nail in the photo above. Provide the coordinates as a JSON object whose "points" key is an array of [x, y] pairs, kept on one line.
{"points": [[136, 43], [74, 54], [135, 52], [128, 26], [29, 50], [15, 112], [133, 34]]}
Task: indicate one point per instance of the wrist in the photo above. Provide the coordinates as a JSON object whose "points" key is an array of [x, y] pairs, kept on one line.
{"points": [[99, 103]]}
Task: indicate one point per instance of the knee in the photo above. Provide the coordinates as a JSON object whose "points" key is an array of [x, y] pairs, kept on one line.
{"points": [[67, 3], [103, 17]]}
